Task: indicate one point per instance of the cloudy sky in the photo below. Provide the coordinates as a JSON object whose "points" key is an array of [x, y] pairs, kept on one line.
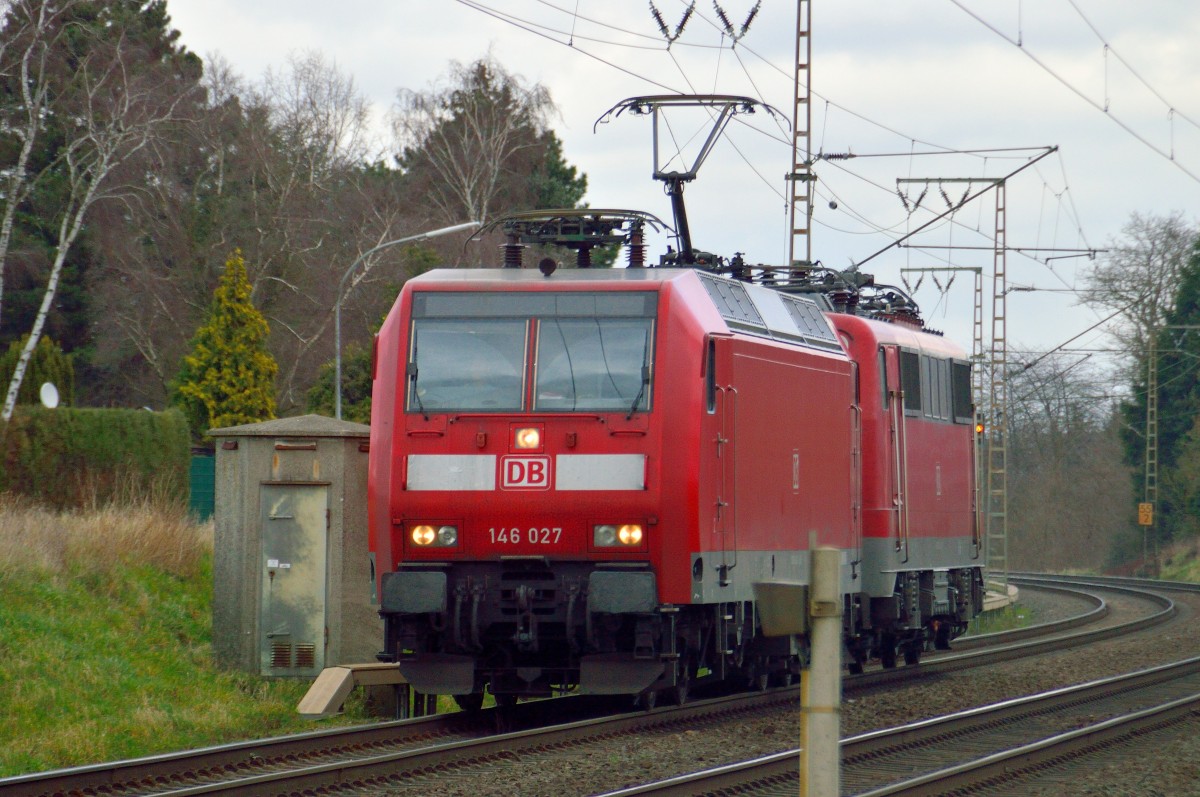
{"points": [[913, 88]]}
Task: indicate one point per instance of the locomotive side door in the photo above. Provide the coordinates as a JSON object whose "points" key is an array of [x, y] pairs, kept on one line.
{"points": [[722, 403], [897, 439]]}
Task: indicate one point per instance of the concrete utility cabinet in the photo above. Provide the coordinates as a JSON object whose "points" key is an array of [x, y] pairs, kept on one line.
{"points": [[292, 581]]}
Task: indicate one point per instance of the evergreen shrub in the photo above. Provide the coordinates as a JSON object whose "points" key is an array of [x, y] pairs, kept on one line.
{"points": [[86, 457]]}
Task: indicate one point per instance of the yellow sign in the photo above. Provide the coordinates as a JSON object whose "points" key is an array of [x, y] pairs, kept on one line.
{"points": [[1146, 514]]}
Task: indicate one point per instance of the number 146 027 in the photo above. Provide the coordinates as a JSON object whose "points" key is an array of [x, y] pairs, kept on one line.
{"points": [[532, 536]]}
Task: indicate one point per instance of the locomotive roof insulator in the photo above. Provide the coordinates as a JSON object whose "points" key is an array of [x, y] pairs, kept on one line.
{"points": [[578, 229]]}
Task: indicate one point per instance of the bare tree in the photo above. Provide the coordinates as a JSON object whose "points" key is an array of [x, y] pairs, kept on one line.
{"points": [[112, 112], [462, 143], [1070, 497], [319, 114], [158, 253], [1138, 277], [323, 204]]}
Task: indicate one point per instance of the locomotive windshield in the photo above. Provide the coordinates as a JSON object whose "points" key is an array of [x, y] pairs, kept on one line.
{"points": [[592, 352], [475, 364]]}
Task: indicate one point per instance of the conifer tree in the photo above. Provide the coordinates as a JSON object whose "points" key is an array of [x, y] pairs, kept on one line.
{"points": [[229, 378], [48, 364]]}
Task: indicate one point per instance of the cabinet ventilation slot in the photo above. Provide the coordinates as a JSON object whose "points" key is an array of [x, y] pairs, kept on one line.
{"points": [[281, 656], [306, 656]]}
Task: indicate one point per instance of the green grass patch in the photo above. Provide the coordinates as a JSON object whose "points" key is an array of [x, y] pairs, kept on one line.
{"points": [[1181, 567], [106, 645], [1009, 618]]}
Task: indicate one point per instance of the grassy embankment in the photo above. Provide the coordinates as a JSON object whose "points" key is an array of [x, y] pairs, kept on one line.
{"points": [[105, 631], [1181, 563]]}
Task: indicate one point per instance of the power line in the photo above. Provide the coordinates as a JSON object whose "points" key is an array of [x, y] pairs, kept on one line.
{"points": [[1024, 50], [1108, 48], [569, 37]]}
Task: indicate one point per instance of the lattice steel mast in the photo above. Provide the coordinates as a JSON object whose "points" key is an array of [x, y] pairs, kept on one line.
{"points": [[801, 176]]}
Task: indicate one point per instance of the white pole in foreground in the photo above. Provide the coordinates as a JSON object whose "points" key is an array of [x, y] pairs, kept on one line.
{"points": [[821, 683]]}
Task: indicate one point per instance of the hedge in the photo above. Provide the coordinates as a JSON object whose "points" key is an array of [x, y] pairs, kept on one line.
{"points": [[68, 457]]}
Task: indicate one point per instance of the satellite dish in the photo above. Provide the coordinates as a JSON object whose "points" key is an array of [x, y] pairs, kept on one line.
{"points": [[49, 395]]}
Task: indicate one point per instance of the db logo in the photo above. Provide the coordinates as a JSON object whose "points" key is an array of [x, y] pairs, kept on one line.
{"points": [[525, 473]]}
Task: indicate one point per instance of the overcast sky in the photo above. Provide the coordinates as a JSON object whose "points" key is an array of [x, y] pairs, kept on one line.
{"points": [[891, 80]]}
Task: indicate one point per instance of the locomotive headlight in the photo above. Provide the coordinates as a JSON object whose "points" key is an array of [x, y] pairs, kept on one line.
{"points": [[612, 536], [440, 536], [630, 534], [527, 438]]}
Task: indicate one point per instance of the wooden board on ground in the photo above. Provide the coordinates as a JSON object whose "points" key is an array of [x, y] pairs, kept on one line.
{"points": [[331, 688]]}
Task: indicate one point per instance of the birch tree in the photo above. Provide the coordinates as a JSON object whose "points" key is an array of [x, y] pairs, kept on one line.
{"points": [[27, 38], [112, 105]]}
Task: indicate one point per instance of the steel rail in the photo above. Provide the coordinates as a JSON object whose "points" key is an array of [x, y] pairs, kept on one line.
{"points": [[354, 748], [998, 650], [768, 773], [1028, 759]]}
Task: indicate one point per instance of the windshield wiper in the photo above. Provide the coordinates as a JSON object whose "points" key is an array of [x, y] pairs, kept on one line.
{"points": [[645, 376], [412, 381], [641, 392]]}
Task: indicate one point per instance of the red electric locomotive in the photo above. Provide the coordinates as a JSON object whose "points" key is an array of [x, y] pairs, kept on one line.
{"points": [[921, 555], [578, 475]]}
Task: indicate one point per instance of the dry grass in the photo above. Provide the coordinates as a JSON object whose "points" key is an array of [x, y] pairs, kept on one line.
{"points": [[106, 630], [34, 538]]}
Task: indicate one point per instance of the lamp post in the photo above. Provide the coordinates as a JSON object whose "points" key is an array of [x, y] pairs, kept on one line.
{"points": [[337, 306]]}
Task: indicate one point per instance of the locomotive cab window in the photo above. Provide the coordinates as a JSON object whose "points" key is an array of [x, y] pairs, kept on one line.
{"points": [[467, 365], [960, 388], [593, 364], [592, 352]]}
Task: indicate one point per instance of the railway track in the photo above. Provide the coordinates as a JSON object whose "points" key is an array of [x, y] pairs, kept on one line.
{"points": [[981, 748], [425, 749]]}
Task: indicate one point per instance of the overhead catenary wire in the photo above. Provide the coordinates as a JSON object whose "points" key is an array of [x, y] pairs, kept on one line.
{"points": [[1076, 91], [578, 39], [540, 30]]}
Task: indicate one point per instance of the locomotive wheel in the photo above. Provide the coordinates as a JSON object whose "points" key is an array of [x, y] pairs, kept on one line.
{"points": [[854, 667], [912, 653], [647, 700], [941, 639], [506, 701], [679, 693], [887, 652], [683, 680], [471, 702]]}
